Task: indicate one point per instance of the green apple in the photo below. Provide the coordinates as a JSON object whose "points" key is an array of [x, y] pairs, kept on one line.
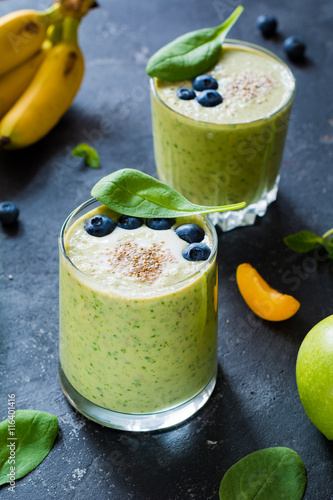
{"points": [[314, 375]]}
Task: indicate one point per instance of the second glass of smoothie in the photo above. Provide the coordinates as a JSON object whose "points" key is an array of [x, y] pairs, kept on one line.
{"points": [[231, 152]]}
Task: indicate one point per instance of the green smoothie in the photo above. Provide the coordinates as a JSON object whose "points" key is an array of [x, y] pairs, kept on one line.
{"points": [[138, 322], [231, 152]]}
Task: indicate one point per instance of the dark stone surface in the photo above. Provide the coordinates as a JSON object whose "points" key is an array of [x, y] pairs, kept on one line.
{"points": [[255, 404]]}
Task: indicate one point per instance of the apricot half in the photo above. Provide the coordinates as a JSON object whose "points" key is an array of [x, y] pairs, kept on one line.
{"points": [[262, 299]]}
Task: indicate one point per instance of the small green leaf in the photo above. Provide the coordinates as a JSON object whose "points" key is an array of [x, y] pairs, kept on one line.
{"points": [[87, 152], [191, 54], [33, 438], [131, 192], [268, 474], [304, 241]]}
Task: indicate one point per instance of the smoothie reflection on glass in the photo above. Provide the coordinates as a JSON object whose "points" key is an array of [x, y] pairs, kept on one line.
{"points": [[138, 320], [230, 152]]}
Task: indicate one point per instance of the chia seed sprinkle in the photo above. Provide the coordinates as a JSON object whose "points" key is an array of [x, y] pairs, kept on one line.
{"points": [[249, 86], [142, 263]]}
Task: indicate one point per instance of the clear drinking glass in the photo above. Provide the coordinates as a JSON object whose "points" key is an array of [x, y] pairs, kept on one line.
{"points": [[131, 362], [218, 164]]}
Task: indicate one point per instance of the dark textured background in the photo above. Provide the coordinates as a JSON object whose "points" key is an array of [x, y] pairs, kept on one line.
{"points": [[255, 404]]}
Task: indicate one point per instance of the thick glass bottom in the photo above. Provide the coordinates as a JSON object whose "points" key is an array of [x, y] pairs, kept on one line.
{"points": [[135, 422], [246, 217]]}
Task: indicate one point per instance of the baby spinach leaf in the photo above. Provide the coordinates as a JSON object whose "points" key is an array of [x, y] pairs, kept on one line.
{"points": [[268, 474], [31, 435], [131, 192], [305, 241], [191, 54], [88, 153]]}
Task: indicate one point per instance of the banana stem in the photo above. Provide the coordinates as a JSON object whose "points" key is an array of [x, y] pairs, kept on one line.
{"points": [[69, 30], [54, 33], [77, 8], [53, 14]]}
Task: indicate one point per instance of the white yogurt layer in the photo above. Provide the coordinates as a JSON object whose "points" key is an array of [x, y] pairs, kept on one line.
{"points": [[253, 85], [137, 259]]}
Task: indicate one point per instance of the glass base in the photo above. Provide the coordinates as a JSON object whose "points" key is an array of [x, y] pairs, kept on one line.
{"points": [[135, 422], [246, 217]]}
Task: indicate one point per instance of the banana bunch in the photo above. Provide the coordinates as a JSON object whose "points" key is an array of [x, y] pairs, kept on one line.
{"points": [[41, 70]]}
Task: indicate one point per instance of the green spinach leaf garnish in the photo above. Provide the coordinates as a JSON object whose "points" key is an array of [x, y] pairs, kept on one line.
{"points": [[31, 435], [305, 241], [191, 54], [268, 474], [87, 152], [131, 192]]}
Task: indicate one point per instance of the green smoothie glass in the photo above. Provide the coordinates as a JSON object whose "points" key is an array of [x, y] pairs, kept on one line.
{"points": [[136, 361], [231, 153]]}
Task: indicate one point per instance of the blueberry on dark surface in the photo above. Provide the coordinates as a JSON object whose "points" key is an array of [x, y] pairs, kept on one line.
{"points": [[185, 94], [128, 222], [196, 251], [204, 82], [8, 212], [190, 233], [99, 225], [209, 98], [294, 46], [267, 25], [160, 224]]}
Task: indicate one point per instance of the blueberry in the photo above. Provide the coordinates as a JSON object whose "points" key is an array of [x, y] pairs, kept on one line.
{"points": [[128, 222], [99, 225], [190, 233], [160, 224], [209, 98], [8, 212], [204, 82], [294, 46], [267, 25], [196, 251], [185, 94]]}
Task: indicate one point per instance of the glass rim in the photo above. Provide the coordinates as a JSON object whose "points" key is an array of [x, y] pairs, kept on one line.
{"points": [[231, 41], [93, 201]]}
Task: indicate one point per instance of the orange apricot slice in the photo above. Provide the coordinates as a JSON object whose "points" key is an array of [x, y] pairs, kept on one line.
{"points": [[261, 298]]}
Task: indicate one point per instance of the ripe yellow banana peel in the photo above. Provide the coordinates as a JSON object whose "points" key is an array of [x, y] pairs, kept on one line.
{"points": [[14, 82], [49, 94], [41, 70], [22, 34]]}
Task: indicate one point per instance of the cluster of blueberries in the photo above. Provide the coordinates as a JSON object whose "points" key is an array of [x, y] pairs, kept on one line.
{"points": [[206, 86], [8, 212], [294, 46], [101, 225]]}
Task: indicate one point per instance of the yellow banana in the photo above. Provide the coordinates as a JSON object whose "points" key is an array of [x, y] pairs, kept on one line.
{"points": [[48, 96], [14, 82], [22, 34]]}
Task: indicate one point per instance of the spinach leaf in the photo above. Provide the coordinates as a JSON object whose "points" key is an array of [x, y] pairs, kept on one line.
{"points": [[305, 241], [268, 474], [88, 153], [131, 192], [31, 435], [191, 54]]}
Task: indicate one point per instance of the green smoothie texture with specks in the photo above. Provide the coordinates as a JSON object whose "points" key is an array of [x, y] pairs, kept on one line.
{"points": [[231, 152], [140, 352]]}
